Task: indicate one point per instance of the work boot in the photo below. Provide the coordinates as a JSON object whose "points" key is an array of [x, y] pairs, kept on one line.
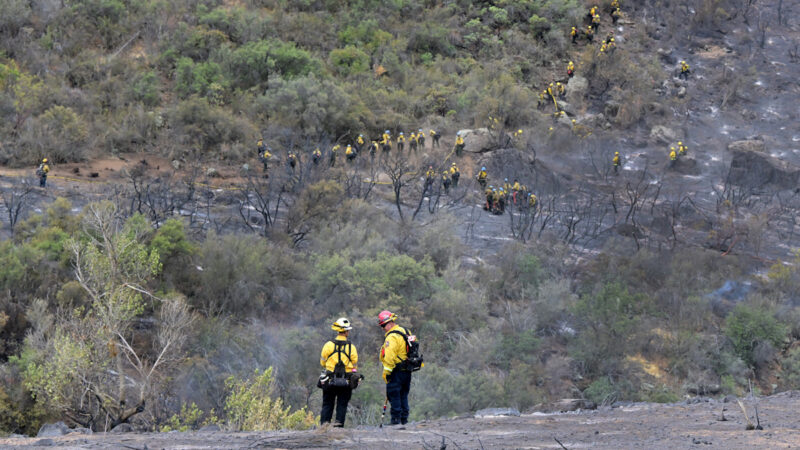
{"points": [[338, 425]]}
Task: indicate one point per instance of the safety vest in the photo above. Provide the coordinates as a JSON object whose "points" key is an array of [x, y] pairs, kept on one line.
{"points": [[459, 140], [360, 140], [482, 175]]}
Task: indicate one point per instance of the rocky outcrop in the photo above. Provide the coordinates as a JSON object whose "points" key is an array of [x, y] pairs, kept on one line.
{"points": [[752, 168], [576, 89], [664, 135], [481, 140], [752, 145], [53, 429]]}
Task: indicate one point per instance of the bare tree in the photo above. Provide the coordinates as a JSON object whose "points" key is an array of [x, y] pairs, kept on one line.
{"points": [[16, 201], [260, 199], [400, 173]]}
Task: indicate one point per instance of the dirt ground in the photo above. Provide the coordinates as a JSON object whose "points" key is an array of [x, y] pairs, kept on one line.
{"points": [[640, 425]]}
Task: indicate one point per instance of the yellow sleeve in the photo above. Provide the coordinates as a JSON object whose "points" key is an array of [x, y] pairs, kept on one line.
{"points": [[327, 349], [354, 358]]}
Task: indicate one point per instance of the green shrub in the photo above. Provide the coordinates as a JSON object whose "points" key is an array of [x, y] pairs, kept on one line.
{"points": [[661, 394], [197, 122], [189, 418], [349, 60], [430, 38], [250, 406], [748, 326], [147, 89], [602, 391]]}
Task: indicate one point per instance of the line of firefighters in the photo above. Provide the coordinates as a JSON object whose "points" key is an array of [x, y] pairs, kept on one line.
{"points": [[385, 144]]}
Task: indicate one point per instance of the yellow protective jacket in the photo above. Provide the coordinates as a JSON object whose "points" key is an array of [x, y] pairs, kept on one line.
{"points": [[328, 358], [482, 175], [615, 160], [401, 139], [360, 140], [453, 170], [672, 156], [459, 141], [394, 349], [516, 186]]}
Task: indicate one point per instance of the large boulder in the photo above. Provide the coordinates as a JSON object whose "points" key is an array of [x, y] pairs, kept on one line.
{"points": [[756, 170], [122, 428], [53, 429], [576, 89], [664, 135], [481, 140], [752, 145]]}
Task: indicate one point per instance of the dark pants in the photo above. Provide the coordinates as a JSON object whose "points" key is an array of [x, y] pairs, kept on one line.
{"points": [[397, 392], [329, 397], [43, 180]]}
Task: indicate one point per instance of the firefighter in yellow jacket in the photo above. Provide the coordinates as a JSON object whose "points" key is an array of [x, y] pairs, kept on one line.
{"points": [[394, 353], [339, 359]]}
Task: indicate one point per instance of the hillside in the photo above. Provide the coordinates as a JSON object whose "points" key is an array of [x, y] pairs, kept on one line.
{"points": [[169, 277]]}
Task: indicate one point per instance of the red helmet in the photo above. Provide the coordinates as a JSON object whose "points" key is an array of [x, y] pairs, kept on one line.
{"points": [[385, 317]]}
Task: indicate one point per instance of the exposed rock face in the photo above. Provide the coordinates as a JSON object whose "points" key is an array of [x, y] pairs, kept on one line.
{"points": [[122, 428], [481, 140], [752, 145], [576, 89], [664, 135], [53, 429], [751, 168]]}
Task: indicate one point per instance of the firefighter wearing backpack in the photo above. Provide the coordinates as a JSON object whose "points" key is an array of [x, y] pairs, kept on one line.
{"points": [[400, 357], [42, 172], [339, 358]]}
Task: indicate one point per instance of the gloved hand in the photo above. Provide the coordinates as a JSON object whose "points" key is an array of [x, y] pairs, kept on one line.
{"points": [[386, 374]]}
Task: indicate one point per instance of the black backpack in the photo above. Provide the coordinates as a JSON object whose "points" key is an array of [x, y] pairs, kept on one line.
{"points": [[414, 360], [340, 377]]}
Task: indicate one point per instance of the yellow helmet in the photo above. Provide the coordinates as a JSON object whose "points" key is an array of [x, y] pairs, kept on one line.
{"points": [[616, 153], [44, 160], [341, 325], [519, 131], [680, 143], [672, 148]]}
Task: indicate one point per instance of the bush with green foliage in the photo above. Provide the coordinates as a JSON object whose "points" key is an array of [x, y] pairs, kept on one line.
{"points": [[250, 406], [748, 326]]}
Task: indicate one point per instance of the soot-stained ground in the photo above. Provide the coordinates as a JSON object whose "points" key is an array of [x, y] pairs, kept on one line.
{"points": [[693, 424]]}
